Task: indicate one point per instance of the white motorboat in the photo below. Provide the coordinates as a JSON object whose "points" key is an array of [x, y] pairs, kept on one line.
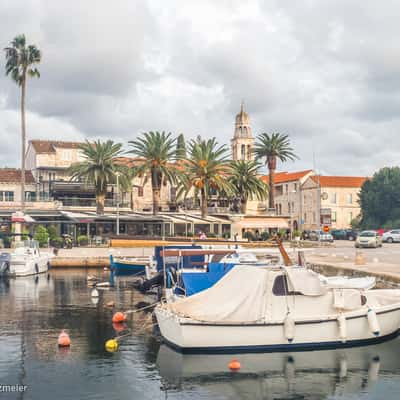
{"points": [[28, 259], [278, 309]]}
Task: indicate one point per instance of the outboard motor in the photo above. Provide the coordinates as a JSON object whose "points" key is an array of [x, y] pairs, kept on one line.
{"points": [[5, 260]]}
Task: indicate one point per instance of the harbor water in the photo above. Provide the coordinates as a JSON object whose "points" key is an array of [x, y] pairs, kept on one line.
{"points": [[34, 310]]}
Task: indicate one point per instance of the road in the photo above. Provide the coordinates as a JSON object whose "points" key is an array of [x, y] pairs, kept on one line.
{"points": [[389, 253]]}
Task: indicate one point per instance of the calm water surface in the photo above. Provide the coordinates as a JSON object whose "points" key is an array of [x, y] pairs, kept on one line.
{"points": [[34, 310]]}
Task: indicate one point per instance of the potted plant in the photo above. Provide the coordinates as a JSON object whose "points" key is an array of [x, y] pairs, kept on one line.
{"points": [[82, 240]]}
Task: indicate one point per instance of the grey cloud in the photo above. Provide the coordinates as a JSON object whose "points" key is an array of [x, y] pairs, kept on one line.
{"points": [[326, 73]]}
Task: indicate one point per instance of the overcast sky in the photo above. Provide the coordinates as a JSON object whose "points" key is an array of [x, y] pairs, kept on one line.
{"points": [[327, 73]]}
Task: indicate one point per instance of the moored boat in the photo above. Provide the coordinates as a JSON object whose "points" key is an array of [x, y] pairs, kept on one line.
{"points": [[28, 259], [130, 265], [278, 309]]}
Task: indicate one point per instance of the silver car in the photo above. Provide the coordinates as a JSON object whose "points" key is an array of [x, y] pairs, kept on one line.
{"points": [[369, 239], [391, 236]]}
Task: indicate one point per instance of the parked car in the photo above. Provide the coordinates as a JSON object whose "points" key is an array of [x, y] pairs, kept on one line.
{"points": [[344, 234], [320, 236], [369, 239], [391, 236]]}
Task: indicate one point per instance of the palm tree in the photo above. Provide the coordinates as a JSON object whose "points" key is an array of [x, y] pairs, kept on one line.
{"points": [[273, 147], [20, 64], [245, 182], [157, 151], [99, 168], [205, 168]]}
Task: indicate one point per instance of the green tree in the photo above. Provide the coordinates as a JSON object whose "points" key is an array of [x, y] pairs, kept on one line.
{"points": [[205, 169], [273, 147], [41, 235], [21, 61], [157, 151], [99, 168], [180, 147], [379, 200], [245, 182]]}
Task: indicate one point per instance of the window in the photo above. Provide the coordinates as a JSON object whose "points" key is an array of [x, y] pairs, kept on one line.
{"points": [[350, 217], [333, 198], [333, 216], [286, 188], [349, 198], [305, 217], [295, 187], [6, 196], [243, 152], [66, 155], [30, 196], [289, 209], [280, 287], [140, 191]]}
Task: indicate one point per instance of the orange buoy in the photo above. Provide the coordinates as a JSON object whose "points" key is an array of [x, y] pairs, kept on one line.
{"points": [[119, 317], [64, 339], [119, 326], [234, 365]]}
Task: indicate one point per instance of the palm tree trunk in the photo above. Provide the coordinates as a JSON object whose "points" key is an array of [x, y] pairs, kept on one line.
{"points": [[204, 203], [23, 139], [100, 200], [244, 206], [156, 200], [271, 167]]}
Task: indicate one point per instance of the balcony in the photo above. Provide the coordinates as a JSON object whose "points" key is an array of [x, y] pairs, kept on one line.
{"points": [[79, 202]]}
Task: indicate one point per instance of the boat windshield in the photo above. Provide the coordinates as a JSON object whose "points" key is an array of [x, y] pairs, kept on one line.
{"points": [[32, 244]]}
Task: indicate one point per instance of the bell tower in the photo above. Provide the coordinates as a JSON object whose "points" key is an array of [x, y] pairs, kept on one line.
{"points": [[242, 142]]}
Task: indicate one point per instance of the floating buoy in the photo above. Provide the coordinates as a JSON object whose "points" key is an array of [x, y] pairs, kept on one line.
{"points": [[373, 322], [119, 317], [289, 328], [111, 345], [64, 339], [119, 326], [95, 293], [342, 328], [234, 365]]}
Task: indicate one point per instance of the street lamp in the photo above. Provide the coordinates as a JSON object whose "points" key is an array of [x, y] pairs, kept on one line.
{"points": [[290, 214], [117, 175]]}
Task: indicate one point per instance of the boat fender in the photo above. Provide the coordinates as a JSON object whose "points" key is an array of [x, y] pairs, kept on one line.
{"points": [[289, 328], [95, 293], [373, 322], [341, 320]]}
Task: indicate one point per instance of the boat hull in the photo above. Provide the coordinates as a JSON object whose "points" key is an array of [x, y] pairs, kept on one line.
{"points": [[193, 337], [126, 268], [28, 265]]}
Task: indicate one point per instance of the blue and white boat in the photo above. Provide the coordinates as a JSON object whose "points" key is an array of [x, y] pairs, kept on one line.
{"points": [[130, 265]]}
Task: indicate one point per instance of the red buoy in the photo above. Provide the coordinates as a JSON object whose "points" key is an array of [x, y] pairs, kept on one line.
{"points": [[119, 317], [64, 339], [234, 365]]}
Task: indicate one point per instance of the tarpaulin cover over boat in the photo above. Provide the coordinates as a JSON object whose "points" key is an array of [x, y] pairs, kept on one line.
{"points": [[239, 296]]}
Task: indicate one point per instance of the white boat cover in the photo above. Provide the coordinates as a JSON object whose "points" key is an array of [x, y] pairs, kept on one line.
{"points": [[304, 281], [239, 296], [242, 295]]}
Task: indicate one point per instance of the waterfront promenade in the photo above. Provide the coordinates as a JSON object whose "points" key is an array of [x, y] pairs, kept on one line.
{"points": [[336, 259]]}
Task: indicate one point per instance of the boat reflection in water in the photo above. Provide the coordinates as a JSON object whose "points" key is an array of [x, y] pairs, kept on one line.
{"points": [[310, 374]]}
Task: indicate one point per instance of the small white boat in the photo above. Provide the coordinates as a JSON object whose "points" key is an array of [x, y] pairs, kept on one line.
{"points": [[278, 309], [28, 259]]}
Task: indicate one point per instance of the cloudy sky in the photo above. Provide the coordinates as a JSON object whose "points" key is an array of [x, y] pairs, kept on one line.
{"points": [[325, 72]]}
